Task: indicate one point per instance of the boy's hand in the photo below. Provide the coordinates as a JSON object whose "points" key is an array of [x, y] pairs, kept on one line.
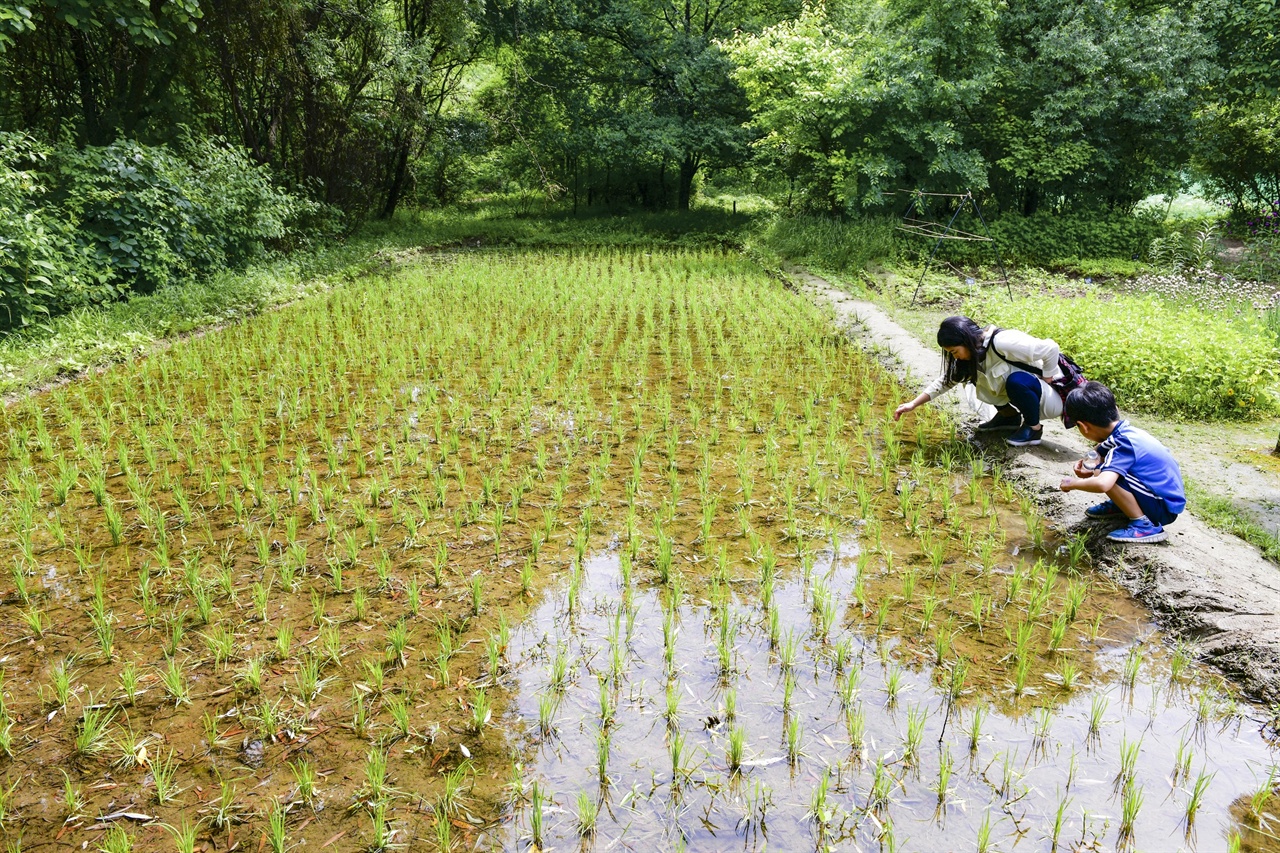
{"points": [[1069, 483], [1082, 471]]}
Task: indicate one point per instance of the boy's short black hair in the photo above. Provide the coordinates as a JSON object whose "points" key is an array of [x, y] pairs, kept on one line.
{"points": [[1092, 403]]}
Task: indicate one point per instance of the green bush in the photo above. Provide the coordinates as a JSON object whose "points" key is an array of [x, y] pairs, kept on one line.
{"points": [[43, 268], [1156, 357], [83, 227], [1054, 240], [154, 217]]}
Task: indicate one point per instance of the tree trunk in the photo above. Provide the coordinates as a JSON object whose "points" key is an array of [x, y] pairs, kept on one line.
{"points": [[688, 169], [94, 133], [1276, 452], [399, 175]]}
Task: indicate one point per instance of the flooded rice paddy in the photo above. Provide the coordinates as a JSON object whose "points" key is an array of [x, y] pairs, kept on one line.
{"points": [[558, 550]]}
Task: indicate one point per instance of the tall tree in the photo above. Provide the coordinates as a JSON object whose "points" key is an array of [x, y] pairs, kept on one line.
{"points": [[644, 87]]}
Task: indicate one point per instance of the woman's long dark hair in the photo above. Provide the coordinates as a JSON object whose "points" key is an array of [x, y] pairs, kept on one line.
{"points": [[961, 332]]}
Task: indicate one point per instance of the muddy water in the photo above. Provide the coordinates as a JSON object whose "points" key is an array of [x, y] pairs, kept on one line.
{"points": [[1031, 781]]}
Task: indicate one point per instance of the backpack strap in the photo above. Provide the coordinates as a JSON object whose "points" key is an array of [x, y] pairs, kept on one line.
{"points": [[1018, 364]]}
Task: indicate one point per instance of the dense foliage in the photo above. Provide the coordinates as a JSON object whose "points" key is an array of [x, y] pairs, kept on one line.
{"points": [[1155, 355], [1036, 105], [84, 226]]}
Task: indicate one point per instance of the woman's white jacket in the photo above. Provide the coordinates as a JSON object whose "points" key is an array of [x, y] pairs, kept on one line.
{"points": [[993, 370]]}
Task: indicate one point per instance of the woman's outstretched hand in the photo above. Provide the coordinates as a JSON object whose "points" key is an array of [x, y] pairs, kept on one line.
{"points": [[902, 410]]}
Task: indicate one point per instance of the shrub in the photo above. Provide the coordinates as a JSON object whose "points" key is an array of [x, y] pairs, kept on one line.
{"points": [[133, 207], [1055, 239], [43, 268], [1156, 357]]}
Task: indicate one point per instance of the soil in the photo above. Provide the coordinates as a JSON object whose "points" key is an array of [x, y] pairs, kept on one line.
{"points": [[1204, 585]]}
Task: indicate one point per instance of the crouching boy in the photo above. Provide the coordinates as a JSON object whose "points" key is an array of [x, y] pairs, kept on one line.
{"points": [[1136, 472]]}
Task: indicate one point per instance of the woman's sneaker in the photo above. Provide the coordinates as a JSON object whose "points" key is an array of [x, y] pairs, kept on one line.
{"points": [[1106, 509], [1001, 422], [1024, 437], [1139, 532]]}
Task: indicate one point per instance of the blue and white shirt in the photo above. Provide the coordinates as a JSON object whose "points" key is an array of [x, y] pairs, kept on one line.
{"points": [[1146, 465]]}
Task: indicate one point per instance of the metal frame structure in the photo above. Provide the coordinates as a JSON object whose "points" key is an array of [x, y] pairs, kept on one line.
{"points": [[928, 228]]}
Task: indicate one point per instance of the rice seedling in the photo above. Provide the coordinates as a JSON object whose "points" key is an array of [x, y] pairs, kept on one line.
{"points": [[59, 684], [277, 831], [36, 620], [173, 678], [1128, 761], [1182, 761], [588, 811], [117, 840], [916, 718], [735, 748], [1262, 794], [975, 727], [793, 734], [91, 739], [536, 817], [481, 711], [1097, 708], [164, 773], [1132, 665], [893, 685], [184, 835], [1131, 800], [1195, 797]]}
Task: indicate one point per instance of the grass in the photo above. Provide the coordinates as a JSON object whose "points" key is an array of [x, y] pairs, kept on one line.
{"points": [[1222, 513]]}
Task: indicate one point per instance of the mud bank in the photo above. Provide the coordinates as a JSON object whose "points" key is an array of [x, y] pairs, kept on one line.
{"points": [[1207, 586]]}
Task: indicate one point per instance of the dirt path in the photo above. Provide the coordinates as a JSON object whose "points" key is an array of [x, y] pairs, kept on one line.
{"points": [[1210, 587]]}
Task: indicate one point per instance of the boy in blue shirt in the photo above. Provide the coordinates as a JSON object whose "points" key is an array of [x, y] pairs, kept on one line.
{"points": [[1137, 473]]}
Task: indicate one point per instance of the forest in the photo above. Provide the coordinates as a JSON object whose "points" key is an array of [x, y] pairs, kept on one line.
{"points": [[144, 142]]}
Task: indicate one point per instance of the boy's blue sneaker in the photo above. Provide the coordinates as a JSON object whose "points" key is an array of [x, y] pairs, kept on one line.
{"points": [[1001, 422], [1139, 532], [1024, 437], [1106, 509]]}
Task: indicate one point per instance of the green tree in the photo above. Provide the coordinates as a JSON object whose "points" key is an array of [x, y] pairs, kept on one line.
{"points": [[642, 90]]}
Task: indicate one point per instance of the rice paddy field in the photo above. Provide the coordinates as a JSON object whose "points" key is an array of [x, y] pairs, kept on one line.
{"points": [[569, 550]]}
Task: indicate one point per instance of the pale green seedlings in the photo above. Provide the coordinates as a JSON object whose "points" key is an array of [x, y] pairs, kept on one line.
{"points": [[163, 776], [1196, 796], [735, 749], [588, 811]]}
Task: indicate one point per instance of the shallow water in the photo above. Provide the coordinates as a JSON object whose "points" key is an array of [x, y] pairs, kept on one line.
{"points": [[1007, 789]]}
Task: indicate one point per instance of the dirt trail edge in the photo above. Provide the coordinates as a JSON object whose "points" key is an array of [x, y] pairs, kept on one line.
{"points": [[1204, 585]]}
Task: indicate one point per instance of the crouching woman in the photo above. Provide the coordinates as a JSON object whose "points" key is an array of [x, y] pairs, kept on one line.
{"points": [[998, 363]]}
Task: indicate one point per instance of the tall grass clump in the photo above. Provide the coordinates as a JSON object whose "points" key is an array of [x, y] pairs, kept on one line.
{"points": [[830, 244]]}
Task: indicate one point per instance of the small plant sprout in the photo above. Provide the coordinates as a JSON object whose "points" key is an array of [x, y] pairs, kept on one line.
{"points": [[735, 749], [184, 835], [975, 727], [946, 765], [277, 833], [1131, 799], [1262, 794], [1097, 708], [536, 806], [1195, 797], [794, 734], [91, 738], [481, 712], [72, 797], [164, 773], [588, 811]]}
